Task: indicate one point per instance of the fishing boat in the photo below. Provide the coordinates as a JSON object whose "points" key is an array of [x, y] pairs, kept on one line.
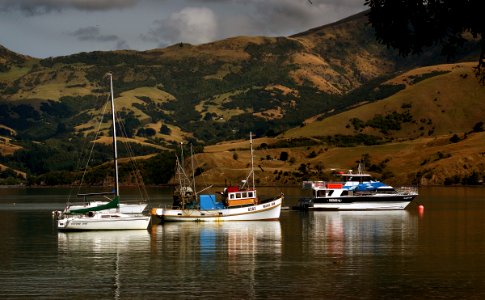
{"points": [[104, 215], [234, 203], [356, 191]]}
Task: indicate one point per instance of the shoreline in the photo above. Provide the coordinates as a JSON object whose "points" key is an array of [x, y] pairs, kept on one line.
{"points": [[22, 186]]}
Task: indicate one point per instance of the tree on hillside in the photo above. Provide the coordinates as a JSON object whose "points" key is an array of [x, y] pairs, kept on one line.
{"points": [[412, 25], [165, 130], [284, 156]]}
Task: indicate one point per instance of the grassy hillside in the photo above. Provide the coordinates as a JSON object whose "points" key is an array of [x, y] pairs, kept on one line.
{"points": [[316, 82], [439, 100], [241, 84], [441, 143], [423, 161]]}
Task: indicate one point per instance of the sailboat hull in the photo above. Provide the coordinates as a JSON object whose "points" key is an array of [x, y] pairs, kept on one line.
{"points": [[103, 221], [266, 211]]}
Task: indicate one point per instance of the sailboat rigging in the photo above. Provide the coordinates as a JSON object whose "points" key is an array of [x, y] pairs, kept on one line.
{"points": [[98, 215]]}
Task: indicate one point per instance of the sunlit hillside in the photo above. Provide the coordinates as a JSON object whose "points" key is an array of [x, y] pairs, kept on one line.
{"points": [[423, 161], [328, 87], [440, 99], [442, 142]]}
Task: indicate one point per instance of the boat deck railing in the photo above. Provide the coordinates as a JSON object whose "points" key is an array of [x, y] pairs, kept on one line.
{"points": [[408, 190], [308, 185]]}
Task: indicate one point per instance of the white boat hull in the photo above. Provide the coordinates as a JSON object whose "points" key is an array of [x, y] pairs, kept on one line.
{"points": [[103, 221], [381, 205], [266, 211]]}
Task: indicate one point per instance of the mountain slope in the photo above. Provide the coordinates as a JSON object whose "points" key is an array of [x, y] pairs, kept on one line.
{"points": [[423, 161], [202, 94], [450, 101], [442, 142], [262, 84]]}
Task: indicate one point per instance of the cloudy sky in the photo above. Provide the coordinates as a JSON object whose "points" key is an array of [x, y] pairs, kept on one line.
{"points": [[43, 28]]}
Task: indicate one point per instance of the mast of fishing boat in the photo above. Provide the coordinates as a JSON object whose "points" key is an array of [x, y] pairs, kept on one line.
{"points": [[193, 171], [115, 147], [180, 172], [182, 153], [182, 188], [252, 159]]}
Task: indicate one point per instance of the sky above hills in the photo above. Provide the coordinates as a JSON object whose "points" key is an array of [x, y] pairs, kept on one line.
{"points": [[43, 28]]}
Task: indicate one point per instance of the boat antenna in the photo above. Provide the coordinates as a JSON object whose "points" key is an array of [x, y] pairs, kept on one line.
{"points": [[115, 147], [252, 159]]}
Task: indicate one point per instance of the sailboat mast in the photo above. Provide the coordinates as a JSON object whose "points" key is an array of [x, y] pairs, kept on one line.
{"points": [[252, 158], [115, 147]]}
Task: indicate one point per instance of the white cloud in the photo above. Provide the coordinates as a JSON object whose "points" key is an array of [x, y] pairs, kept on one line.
{"points": [[193, 25]]}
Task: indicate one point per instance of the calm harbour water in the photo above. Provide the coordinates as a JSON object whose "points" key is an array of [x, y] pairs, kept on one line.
{"points": [[437, 253]]}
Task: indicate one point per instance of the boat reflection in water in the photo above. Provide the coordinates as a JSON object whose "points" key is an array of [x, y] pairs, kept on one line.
{"points": [[95, 258], [102, 242], [234, 238], [350, 233], [224, 252]]}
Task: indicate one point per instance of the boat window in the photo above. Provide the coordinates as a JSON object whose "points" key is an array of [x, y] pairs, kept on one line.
{"points": [[330, 193], [238, 195], [344, 193], [109, 216], [250, 194], [320, 193], [244, 195], [231, 196]]}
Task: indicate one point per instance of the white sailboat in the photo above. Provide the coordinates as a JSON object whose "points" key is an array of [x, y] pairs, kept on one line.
{"points": [[105, 215], [236, 203]]}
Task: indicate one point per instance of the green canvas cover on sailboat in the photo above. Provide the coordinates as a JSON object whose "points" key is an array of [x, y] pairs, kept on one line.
{"points": [[112, 204]]}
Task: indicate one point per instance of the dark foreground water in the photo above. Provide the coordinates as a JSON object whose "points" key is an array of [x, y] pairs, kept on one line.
{"points": [[438, 253]]}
